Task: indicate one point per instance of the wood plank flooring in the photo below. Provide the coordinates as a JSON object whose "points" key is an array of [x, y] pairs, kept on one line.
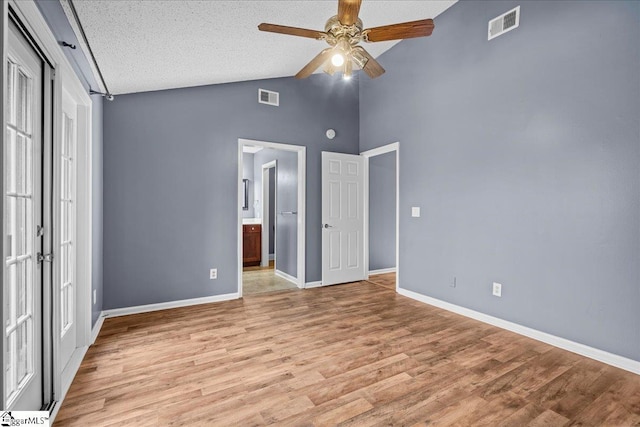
{"points": [[353, 355], [388, 280]]}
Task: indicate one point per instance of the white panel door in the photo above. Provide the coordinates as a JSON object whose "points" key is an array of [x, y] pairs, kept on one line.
{"points": [[342, 218], [22, 282], [65, 193]]}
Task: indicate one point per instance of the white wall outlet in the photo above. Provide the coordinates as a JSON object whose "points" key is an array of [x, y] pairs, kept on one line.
{"points": [[453, 282], [94, 296], [213, 273], [415, 212], [497, 289]]}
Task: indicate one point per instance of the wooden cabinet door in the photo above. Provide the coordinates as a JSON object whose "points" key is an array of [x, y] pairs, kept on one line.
{"points": [[251, 245]]}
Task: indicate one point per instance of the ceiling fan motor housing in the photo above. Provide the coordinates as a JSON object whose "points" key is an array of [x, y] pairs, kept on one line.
{"points": [[336, 31]]}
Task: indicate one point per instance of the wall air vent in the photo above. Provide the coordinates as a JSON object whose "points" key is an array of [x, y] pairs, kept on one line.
{"points": [[268, 97], [504, 23]]}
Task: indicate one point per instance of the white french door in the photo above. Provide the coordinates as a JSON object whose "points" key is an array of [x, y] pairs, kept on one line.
{"points": [[65, 240], [342, 218], [22, 226]]}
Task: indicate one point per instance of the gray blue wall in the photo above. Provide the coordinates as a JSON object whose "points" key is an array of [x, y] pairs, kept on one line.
{"points": [[247, 173], [271, 223], [170, 179], [523, 153], [382, 211], [286, 191], [96, 207]]}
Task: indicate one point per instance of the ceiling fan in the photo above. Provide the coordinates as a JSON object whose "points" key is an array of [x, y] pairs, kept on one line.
{"points": [[343, 33]]}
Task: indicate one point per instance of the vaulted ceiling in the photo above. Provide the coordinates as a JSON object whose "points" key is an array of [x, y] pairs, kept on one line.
{"points": [[144, 45]]}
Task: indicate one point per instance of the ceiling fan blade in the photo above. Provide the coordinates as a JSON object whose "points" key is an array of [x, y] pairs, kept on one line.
{"points": [[405, 30], [292, 31], [315, 63], [372, 67], [348, 11]]}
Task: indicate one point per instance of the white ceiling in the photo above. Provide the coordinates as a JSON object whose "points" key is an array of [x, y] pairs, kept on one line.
{"points": [[143, 45]]}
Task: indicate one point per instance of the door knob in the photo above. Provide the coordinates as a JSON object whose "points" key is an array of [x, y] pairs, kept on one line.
{"points": [[327, 226]]}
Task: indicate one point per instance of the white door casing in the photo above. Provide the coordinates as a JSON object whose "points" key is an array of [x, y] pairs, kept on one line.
{"points": [[23, 379], [393, 147], [343, 250], [301, 152]]}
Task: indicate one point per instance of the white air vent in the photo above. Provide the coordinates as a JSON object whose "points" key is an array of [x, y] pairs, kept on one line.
{"points": [[268, 97], [504, 23]]}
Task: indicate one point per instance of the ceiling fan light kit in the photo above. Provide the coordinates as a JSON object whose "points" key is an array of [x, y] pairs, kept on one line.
{"points": [[343, 33]]}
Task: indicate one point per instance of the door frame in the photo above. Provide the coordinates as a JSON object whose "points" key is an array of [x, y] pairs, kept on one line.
{"points": [[33, 22], [389, 148], [266, 232], [301, 217]]}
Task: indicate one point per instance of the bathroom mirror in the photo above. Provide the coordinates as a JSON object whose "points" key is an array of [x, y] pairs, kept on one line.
{"points": [[245, 205]]}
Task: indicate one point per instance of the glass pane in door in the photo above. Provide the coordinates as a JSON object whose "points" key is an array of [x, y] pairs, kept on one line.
{"points": [[67, 199], [19, 260]]}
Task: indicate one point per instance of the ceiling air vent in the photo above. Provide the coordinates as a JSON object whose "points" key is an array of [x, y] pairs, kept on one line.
{"points": [[268, 97], [504, 23]]}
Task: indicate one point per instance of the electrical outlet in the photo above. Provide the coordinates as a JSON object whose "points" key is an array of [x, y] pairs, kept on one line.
{"points": [[453, 283], [213, 273], [94, 296], [497, 289]]}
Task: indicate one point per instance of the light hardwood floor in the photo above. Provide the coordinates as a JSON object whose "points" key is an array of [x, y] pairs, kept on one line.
{"points": [[355, 355], [388, 280], [258, 280]]}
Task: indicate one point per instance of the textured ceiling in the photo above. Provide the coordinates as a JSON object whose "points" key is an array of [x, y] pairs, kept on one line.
{"points": [[143, 45]]}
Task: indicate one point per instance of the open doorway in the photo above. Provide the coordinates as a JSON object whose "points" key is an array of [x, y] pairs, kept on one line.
{"points": [[382, 214], [269, 176], [271, 221]]}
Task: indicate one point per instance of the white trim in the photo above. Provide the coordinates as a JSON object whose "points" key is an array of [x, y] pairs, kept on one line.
{"points": [[310, 285], [95, 331], [3, 80], [394, 146], [74, 365], [288, 277], [382, 271], [302, 197], [125, 311], [572, 346], [83, 46]]}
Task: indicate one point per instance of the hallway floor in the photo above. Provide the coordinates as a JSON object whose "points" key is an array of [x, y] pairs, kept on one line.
{"points": [[258, 280]]}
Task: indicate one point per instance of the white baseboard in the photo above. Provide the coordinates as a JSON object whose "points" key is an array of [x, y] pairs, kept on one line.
{"points": [[286, 276], [382, 271], [310, 285], [167, 305], [95, 331], [581, 349], [73, 365]]}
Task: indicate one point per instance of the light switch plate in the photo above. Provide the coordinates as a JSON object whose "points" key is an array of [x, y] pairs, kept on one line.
{"points": [[415, 212]]}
